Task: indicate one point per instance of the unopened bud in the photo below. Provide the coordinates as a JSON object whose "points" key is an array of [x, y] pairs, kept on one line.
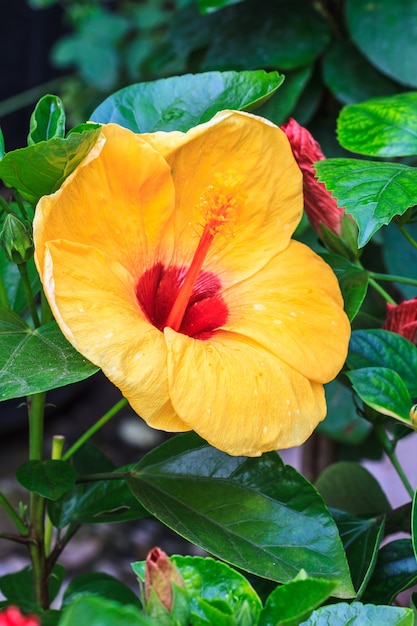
{"points": [[16, 240], [160, 574]]}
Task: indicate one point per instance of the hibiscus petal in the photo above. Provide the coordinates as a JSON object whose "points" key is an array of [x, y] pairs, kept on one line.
{"points": [[270, 201], [293, 307], [238, 396], [125, 182], [93, 300]]}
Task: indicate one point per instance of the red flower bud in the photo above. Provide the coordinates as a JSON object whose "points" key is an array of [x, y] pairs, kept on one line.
{"points": [[402, 319], [11, 616], [319, 204], [160, 573]]}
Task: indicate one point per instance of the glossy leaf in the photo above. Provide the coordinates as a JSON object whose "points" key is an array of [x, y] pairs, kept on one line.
{"points": [[353, 282], [180, 102], [50, 479], [348, 486], [350, 76], [37, 360], [395, 571], [208, 6], [245, 36], [40, 169], [210, 584], [96, 611], [232, 508], [380, 127], [357, 614], [385, 32], [361, 540], [47, 120], [342, 421], [382, 348], [99, 584], [18, 587], [373, 192], [383, 390], [290, 604]]}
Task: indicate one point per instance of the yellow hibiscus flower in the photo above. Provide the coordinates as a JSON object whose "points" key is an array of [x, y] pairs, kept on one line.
{"points": [[168, 262]]}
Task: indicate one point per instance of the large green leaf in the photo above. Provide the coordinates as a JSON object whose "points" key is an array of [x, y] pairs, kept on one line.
{"points": [[290, 604], [380, 127], [97, 611], [357, 614], [386, 33], [382, 348], [383, 390], [254, 513], [261, 33], [361, 540], [279, 108], [373, 192], [180, 102], [99, 584], [350, 487], [395, 571], [37, 360], [40, 169], [351, 77]]}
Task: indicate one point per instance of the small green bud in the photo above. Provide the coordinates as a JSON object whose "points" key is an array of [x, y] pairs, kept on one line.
{"points": [[16, 240]]}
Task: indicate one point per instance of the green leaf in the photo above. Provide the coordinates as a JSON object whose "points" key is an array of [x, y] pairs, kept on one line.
{"points": [[245, 36], [380, 127], [208, 6], [395, 571], [50, 479], [342, 421], [385, 32], [40, 169], [348, 486], [18, 588], [351, 77], [383, 390], [47, 120], [97, 611], [280, 107], [99, 584], [357, 614], [180, 102], [210, 583], [372, 192], [400, 258], [241, 510], [13, 282], [290, 604], [98, 502], [353, 282], [37, 360], [361, 540], [382, 348]]}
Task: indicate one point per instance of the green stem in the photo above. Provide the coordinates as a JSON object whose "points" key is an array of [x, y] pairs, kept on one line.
{"points": [[57, 447], [407, 235], [14, 103], [389, 449], [4, 300], [91, 431], [393, 279], [28, 293], [4, 205], [37, 503], [381, 291], [20, 525]]}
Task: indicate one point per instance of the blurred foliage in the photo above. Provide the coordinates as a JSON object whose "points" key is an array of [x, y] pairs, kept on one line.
{"points": [[332, 52]]}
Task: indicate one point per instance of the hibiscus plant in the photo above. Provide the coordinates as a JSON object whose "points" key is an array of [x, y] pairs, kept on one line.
{"points": [[220, 271]]}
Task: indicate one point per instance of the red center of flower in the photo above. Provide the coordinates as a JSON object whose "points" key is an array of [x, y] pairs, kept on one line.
{"points": [[158, 290], [188, 299]]}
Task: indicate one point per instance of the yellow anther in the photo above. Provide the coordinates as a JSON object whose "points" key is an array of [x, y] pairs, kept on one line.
{"points": [[220, 202]]}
